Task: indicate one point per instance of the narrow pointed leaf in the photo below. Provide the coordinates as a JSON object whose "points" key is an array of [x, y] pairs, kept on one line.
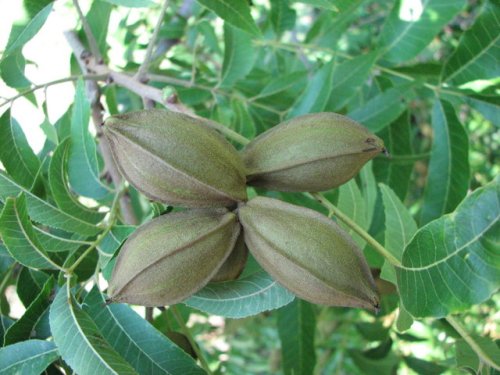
{"points": [[82, 163], [58, 182], [411, 26], [146, 349], [24, 327], [315, 96], [20, 237], [112, 242], [383, 109], [235, 12], [42, 211], [348, 76], [296, 327], [54, 243], [448, 176], [476, 56], [79, 341], [16, 155], [351, 201], [27, 357], [241, 298], [23, 30], [282, 16], [238, 55], [453, 262]]}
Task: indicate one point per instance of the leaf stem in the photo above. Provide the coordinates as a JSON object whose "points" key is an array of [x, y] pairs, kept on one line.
{"points": [[187, 333], [356, 228], [111, 221], [141, 73], [484, 357], [93, 77]]}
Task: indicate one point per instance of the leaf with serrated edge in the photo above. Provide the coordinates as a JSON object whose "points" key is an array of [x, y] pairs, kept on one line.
{"points": [[79, 341], [43, 212], [149, 351], [453, 262], [58, 182], [248, 296], [20, 237]]}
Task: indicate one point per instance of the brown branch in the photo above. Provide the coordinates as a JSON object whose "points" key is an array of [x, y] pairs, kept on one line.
{"points": [[94, 48], [93, 92]]}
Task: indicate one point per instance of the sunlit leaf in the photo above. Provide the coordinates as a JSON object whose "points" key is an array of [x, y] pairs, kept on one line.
{"points": [[235, 12], [412, 24], [27, 357], [79, 341], [132, 3], [453, 262], [241, 298], [476, 56], [42, 211], [83, 166], [296, 328], [26, 28], [16, 155], [58, 182], [20, 237], [448, 176], [146, 349]]}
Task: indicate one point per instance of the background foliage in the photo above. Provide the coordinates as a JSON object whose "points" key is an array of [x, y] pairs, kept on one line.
{"points": [[422, 74]]}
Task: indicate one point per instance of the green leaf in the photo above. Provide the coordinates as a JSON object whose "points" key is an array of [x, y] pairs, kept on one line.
{"points": [[281, 83], [42, 211], [296, 328], [24, 327], [348, 78], [399, 224], [411, 26], [234, 12], [315, 96], [61, 193], [132, 3], [476, 56], [369, 188], [238, 56], [56, 243], [26, 28], [326, 4], [453, 262], [149, 351], [16, 155], [383, 109], [241, 298], [467, 358], [29, 285], [424, 367], [12, 71], [98, 20], [448, 176], [242, 121], [83, 167], [282, 16], [79, 341], [27, 357], [487, 105], [351, 202], [20, 237], [394, 171], [112, 242]]}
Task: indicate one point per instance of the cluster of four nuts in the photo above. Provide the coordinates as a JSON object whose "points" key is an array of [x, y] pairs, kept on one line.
{"points": [[180, 160]]}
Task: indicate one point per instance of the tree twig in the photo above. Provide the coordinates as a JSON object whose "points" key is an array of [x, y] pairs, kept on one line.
{"points": [[94, 48], [143, 69]]}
